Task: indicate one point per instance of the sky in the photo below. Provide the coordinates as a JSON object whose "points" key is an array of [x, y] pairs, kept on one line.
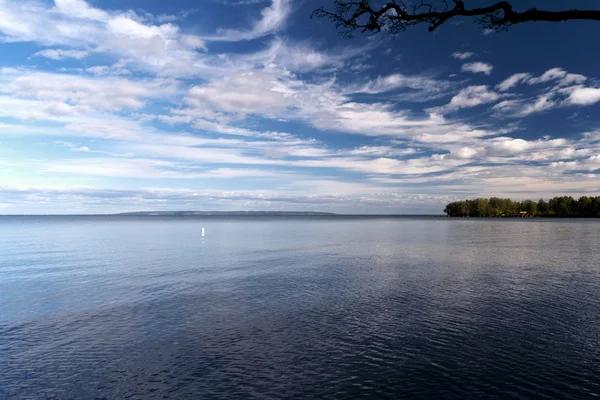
{"points": [[143, 105]]}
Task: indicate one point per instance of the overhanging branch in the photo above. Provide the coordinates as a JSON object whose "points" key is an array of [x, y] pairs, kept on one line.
{"points": [[395, 16]]}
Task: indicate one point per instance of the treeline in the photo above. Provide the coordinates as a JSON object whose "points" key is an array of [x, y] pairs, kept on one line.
{"points": [[560, 207]]}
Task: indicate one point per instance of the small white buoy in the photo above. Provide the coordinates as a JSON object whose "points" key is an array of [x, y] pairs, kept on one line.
{"points": [[202, 232]]}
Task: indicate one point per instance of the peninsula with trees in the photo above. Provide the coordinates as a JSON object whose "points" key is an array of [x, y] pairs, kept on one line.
{"points": [[557, 207]]}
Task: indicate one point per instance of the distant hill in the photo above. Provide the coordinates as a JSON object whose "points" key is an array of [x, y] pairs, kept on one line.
{"points": [[229, 213]]}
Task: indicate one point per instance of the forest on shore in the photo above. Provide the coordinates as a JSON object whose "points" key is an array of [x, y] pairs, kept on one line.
{"points": [[559, 207]]}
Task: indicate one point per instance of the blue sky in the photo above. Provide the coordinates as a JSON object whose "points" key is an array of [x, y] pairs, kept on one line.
{"points": [[111, 106]]}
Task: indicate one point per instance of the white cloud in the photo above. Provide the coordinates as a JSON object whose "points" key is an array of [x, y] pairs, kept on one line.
{"points": [[470, 96], [385, 165], [58, 108], [146, 168], [125, 27], [99, 70], [59, 54], [522, 108], [76, 24], [551, 74], [464, 153], [588, 164], [387, 151], [192, 42], [513, 81], [477, 67], [505, 146], [571, 79], [253, 92], [106, 128], [119, 68], [543, 102], [424, 87], [507, 105], [161, 48], [302, 57], [272, 19], [279, 94], [65, 144], [557, 74], [329, 195], [584, 96], [559, 82], [69, 94], [80, 9], [462, 56], [295, 56]]}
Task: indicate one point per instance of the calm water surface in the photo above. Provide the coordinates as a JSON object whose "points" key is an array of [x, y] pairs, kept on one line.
{"points": [[143, 307]]}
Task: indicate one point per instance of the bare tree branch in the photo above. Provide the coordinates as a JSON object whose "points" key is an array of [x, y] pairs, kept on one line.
{"points": [[395, 16]]}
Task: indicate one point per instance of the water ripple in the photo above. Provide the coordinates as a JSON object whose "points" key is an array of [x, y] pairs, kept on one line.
{"points": [[410, 309]]}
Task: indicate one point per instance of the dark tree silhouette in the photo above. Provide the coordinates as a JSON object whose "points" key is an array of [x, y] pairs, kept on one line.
{"points": [[559, 207], [396, 16]]}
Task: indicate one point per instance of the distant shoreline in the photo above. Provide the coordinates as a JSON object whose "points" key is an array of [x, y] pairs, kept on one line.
{"points": [[233, 214], [227, 213]]}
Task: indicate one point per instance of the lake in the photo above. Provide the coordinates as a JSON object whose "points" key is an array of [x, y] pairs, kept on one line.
{"points": [[306, 307]]}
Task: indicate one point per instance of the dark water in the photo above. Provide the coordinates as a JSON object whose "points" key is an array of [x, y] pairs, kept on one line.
{"points": [[299, 308]]}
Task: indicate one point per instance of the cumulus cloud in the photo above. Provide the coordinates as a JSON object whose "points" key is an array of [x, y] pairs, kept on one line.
{"points": [[591, 163], [478, 67], [584, 96]]}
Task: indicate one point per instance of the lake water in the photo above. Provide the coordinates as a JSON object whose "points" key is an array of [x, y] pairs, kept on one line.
{"points": [[319, 307]]}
